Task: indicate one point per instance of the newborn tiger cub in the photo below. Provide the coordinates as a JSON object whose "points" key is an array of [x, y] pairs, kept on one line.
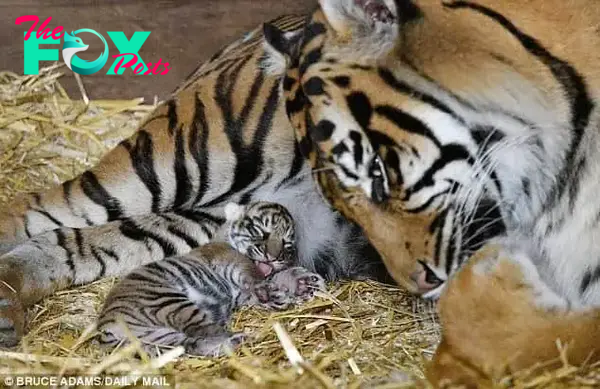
{"points": [[188, 300]]}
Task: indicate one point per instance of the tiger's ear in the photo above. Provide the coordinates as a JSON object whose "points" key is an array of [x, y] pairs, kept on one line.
{"points": [[349, 16], [234, 211], [280, 47], [280, 41]]}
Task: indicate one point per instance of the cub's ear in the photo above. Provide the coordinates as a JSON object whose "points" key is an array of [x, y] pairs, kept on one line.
{"points": [[347, 16], [234, 211]]}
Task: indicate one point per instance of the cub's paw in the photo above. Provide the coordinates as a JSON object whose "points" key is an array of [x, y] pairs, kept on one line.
{"points": [[214, 345], [12, 316], [300, 283], [272, 295]]}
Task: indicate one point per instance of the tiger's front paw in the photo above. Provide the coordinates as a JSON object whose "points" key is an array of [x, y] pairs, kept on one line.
{"points": [[300, 283], [498, 316], [12, 316], [273, 296]]}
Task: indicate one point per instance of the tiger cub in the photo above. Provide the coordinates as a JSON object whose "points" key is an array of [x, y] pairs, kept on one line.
{"points": [[188, 300]]}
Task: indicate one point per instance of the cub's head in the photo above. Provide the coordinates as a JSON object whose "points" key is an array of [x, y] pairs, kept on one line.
{"points": [[393, 148], [264, 232]]}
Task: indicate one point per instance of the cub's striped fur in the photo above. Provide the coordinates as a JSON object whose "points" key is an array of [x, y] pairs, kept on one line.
{"points": [[222, 136], [188, 300], [485, 116]]}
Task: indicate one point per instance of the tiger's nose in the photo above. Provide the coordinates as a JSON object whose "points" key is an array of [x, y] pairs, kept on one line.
{"points": [[425, 279]]}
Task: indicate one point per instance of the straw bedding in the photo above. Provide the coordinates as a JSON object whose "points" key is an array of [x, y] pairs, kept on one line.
{"points": [[357, 335]]}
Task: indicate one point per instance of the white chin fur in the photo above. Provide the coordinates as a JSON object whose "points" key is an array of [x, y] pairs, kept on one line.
{"points": [[434, 294]]}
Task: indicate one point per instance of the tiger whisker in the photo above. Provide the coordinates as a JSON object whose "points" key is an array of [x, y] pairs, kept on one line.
{"points": [[480, 230]]}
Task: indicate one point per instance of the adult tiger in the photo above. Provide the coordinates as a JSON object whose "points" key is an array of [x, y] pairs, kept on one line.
{"points": [[481, 116], [223, 136]]}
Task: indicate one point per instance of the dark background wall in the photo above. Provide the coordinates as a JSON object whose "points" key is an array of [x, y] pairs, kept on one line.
{"points": [[183, 32]]}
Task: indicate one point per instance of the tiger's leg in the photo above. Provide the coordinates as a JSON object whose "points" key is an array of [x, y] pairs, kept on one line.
{"points": [[197, 333], [65, 257], [157, 169], [498, 317], [214, 345]]}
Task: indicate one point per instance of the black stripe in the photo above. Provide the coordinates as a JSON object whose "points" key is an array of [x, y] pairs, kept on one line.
{"points": [[39, 209], [407, 122], [486, 224], [526, 185], [340, 148], [131, 230], [451, 250], [564, 73], [590, 277], [438, 225], [67, 187], [486, 136], [296, 167], [201, 220], [190, 241], [166, 302], [357, 149], [199, 317], [249, 161], [341, 81], [161, 339], [305, 146], [142, 159], [79, 242], [249, 103], [109, 253], [449, 153], [288, 83], [96, 192], [361, 108], [62, 242], [183, 182], [98, 257], [297, 104], [172, 115], [309, 59], [427, 203], [348, 173], [312, 31], [159, 269], [201, 217], [187, 274], [224, 89], [50, 217], [26, 226], [247, 196], [198, 144], [408, 90], [142, 277]]}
